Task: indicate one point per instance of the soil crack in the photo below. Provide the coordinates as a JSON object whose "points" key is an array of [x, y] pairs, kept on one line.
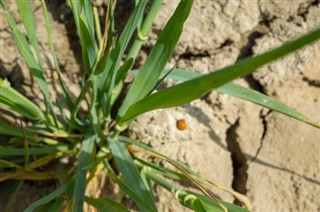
{"points": [[239, 161], [311, 82], [264, 132], [247, 51], [189, 55], [303, 10]]}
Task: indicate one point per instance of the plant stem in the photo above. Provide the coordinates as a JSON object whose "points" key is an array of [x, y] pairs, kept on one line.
{"points": [[144, 29]]}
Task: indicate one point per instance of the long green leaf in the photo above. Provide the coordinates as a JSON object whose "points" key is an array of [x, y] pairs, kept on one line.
{"points": [[247, 94], [89, 46], [80, 177], [144, 146], [22, 44], [123, 70], [5, 163], [6, 129], [160, 54], [57, 193], [88, 15], [142, 203], [130, 173], [104, 204], [119, 81], [13, 100], [265, 101], [190, 90], [28, 21], [12, 151], [112, 22], [76, 8], [157, 168]]}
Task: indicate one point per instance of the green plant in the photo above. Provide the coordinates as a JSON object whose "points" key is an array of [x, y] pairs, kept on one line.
{"points": [[95, 141]]}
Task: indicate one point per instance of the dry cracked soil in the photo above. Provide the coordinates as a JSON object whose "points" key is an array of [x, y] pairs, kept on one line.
{"points": [[268, 157]]}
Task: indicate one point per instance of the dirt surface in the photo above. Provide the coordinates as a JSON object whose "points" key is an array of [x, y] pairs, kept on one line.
{"points": [[270, 158]]}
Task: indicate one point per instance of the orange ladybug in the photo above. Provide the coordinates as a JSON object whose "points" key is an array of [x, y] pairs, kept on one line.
{"points": [[181, 124]]}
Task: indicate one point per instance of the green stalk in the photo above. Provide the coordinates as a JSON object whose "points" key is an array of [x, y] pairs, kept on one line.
{"points": [[184, 197], [144, 29], [97, 24]]}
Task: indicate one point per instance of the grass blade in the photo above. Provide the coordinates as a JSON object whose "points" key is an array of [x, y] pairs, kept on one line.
{"points": [[265, 101], [142, 203], [25, 175], [80, 177], [28, 21], [88, 15], [46, 159], [123, 70], [76, 8], [104, 204], [12, 151], [97, 24], [57, 193], [111, 22], [195, 88], [89, 46], [149, 73], [247, 94], [16, 131], [13, 100], [131, 173], [157, 168], [10, 164], [139, 144], [22, 44]]}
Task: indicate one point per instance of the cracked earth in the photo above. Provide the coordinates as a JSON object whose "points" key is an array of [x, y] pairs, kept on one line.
{"points": [[262, 154]]}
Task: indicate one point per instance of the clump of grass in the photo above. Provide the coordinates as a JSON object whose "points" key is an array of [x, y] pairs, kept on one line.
{"points": [[96, 140]]}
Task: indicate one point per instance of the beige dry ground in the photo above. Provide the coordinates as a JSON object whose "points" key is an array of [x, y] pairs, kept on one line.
{"points": [[224, 134]]}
